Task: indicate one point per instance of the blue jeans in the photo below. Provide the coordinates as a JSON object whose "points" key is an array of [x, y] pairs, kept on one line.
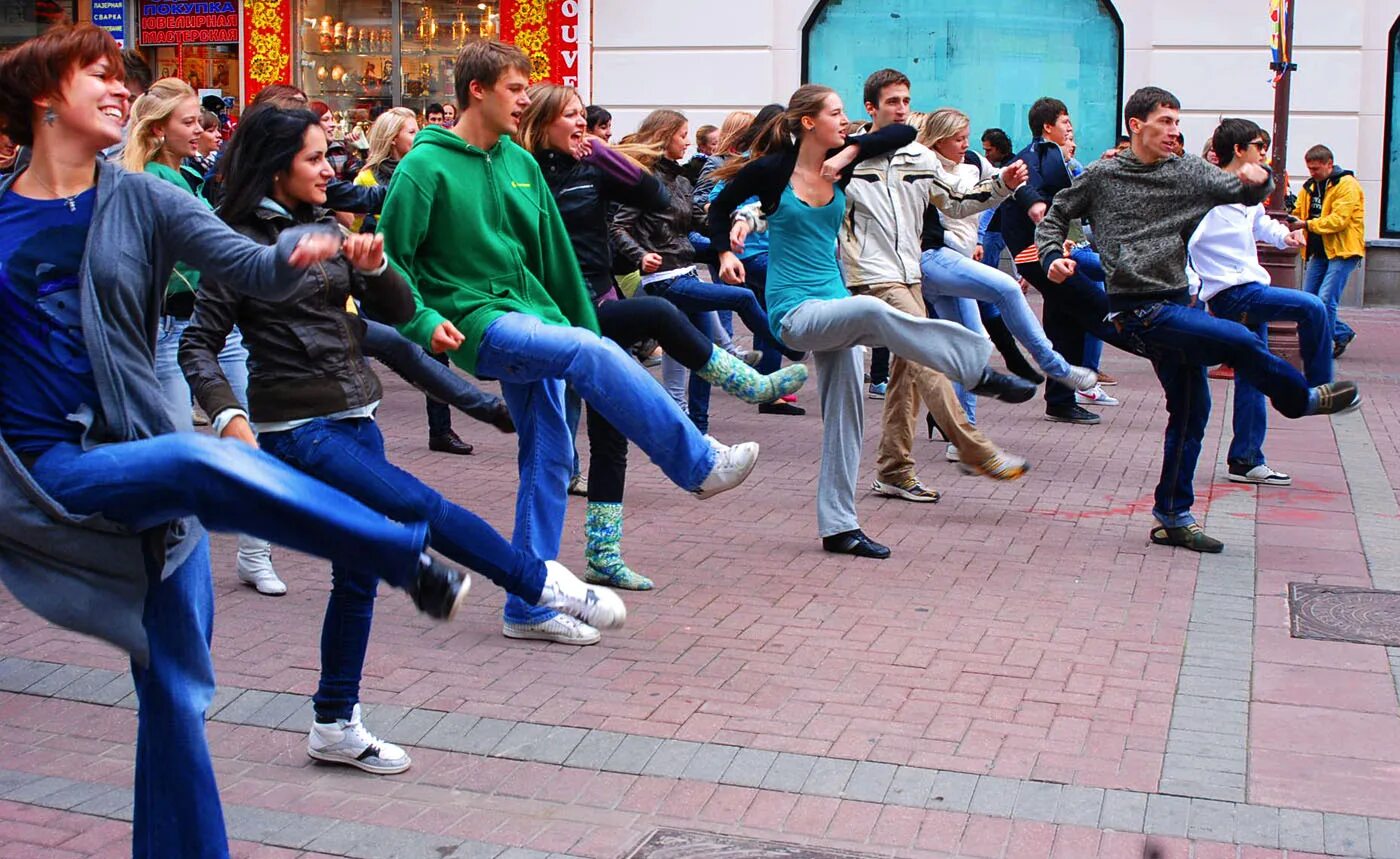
{"points": [[964, 312], [233, 360], [1181, 342], [1090, 270], [694, 295], [1255, 306], [992, 247], [531, 358], [230, 487], [1327, 279], [349, 455]]}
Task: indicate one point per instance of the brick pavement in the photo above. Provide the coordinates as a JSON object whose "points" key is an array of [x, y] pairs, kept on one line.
{"points": [[1023, 633]]}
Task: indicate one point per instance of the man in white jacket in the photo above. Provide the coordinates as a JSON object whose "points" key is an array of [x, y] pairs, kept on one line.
{"points": [[1224, 258], [880, 250]]}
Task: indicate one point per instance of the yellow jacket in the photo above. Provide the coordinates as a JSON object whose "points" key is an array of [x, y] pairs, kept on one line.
{"points": [[365, 178], [1343, 221]]}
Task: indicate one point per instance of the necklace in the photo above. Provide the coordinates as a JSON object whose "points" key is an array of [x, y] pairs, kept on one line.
{"points": [[70, 201]]}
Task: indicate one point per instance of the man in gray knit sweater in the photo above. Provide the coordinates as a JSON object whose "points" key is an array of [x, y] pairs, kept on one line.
{"points": [[1144, 204]]}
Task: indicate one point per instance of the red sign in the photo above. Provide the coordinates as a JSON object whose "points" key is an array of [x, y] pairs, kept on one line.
{"points": [[267, 45], [547, 31], [177, 23]]}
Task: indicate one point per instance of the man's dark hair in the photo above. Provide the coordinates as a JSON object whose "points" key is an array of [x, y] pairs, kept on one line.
{"points": [[1142, 103], [1124, 138], [138, 71], [1045, 112], [998, 140], [1319, 153], [434, 108], [595, 116], [484, 62], [1230, 133], [876, 83]]}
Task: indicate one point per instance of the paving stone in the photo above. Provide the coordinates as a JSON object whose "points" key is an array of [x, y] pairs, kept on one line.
{"points": [[632, 754], [1346, 834], [1257, 825], [521, 741], [276, 711], [223, 696], [671, 758], [1300, 830], [1385, 838], [14, 779], [75, 794], [17, 675], [788, 772], [1212, 820], [384, 717], [243, 706], [1079, 806], [829, 777], [1123, 811], [109, 804], [911, 786], [450, 732], [485, 735], [594, 749], [710, 762], [34, 792], [54, 684], [749, 767], [413, 727], [870, 781], [260, 825], [1037, 801], [994, 796], [1167, 815], [952, 791]]}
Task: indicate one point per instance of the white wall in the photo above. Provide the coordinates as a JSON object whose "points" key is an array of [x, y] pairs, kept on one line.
{"points": [[709, 58]]}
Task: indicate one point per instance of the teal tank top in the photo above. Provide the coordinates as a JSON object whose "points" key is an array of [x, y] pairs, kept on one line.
{"points": [[802, 254]]}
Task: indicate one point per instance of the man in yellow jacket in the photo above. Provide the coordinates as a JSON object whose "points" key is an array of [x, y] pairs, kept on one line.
{"points": [[1333, 211]]}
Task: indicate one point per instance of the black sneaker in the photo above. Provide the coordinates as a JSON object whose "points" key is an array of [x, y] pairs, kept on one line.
{"points": [[1008, 389], [1069, 413], [1336, 397], [855, 543], [438, 589], [780, 408]]}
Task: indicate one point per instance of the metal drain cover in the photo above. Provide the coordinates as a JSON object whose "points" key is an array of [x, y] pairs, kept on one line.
{"points": [[687, 844], [1334, 613]]}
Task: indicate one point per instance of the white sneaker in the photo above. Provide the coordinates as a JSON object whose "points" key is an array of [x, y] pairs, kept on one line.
{"points": [[348, 741], [594, 605], [951, 454], [1080, 378], [1095, 396], [732, 467], [255, 566], [1262, 475], [561, 629]]}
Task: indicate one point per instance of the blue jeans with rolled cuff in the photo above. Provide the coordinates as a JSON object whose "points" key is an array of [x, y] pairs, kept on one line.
{"points": [[1327, 279]]}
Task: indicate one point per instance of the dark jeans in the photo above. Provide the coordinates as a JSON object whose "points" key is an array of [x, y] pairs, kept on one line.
{"points": [[439, 415], [1255, 306], [879, 365], [626, 323], [1071, 309], [429, 373], [1182, 341], [230, 487], [349, 455]]}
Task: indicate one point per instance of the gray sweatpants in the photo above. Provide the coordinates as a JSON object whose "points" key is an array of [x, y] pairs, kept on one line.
{"points": [[832, 329]]}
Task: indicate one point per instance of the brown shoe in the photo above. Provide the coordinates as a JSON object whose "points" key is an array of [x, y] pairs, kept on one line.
{"points": [[1106, 380]]}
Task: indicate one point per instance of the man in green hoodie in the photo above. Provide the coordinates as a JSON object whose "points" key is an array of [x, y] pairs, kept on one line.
{"points": [[471, 223]]}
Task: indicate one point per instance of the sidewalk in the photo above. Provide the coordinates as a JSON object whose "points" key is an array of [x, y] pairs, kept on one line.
{"points": [[1026, 677]]}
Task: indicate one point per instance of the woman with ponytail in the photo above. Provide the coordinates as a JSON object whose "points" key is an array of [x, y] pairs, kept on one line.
{"points": [[798, 169]]}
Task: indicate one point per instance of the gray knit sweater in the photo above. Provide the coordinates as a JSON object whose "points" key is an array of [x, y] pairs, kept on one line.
{"points": [[1143, 215]]}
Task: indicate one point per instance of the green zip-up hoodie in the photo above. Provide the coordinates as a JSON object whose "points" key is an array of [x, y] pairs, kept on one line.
{"points": [[183, 278], [477, 235]]}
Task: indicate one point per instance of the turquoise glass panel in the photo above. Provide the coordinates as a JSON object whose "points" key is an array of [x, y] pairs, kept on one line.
{"points": [[990, 58], [1392, 163]]}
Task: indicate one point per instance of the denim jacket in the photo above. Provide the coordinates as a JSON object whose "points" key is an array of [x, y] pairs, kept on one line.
{"points": [[85, 572]]}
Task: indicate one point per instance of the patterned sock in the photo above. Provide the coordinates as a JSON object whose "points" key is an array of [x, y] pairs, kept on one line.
{"points": [[602, 528], [746, 383]]}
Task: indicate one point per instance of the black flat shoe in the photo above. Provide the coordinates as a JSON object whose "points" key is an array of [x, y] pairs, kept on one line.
{"points": [[1071, 414], [1008, 389], [855, 543], [780, 408], [448, 442]]}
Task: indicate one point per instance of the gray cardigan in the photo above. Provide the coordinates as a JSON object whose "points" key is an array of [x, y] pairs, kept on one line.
{"points": [[85, 572]]}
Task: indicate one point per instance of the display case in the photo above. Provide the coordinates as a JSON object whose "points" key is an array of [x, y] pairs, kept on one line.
{"points": [[360, 56]]}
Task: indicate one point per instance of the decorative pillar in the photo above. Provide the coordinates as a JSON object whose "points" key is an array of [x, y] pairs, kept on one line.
{"points": [[267, 45], [548, 32]]}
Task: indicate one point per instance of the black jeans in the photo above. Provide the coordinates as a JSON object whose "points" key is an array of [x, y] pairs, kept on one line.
{"points": [[628, 322], [439, 414], [1072, 309]]}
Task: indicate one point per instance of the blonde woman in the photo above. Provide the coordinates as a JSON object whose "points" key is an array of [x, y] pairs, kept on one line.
{"points": [[953, 282], [165, 130], [390, 138]]}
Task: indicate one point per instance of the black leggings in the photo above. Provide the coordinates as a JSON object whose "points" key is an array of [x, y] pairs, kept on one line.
{"points": [[628, 322]]}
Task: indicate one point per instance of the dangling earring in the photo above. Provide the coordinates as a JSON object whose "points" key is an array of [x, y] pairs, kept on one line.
{"points": [[49, 116]]}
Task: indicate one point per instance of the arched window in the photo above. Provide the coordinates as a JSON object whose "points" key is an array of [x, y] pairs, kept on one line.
{"points": [[1390, 173], [990, 58]]}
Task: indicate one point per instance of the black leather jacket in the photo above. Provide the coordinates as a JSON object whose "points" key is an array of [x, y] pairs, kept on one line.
{"points": [[304, 356], [664, 232], [585, 191]]}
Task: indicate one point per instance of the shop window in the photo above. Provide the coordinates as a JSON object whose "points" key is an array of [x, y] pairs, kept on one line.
{"points": [[1390, 194], [25, 19], [990, 58]]}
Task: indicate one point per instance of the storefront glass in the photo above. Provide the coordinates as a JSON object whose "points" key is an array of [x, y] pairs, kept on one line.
{"points": [[25, 19]]}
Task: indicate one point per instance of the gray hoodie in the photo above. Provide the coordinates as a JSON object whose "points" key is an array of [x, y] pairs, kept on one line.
{"points": [[1143, 216], [85, 572]]}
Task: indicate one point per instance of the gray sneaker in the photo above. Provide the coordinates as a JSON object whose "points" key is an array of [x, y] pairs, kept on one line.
{"points": [[348, 741], [560, 629]]}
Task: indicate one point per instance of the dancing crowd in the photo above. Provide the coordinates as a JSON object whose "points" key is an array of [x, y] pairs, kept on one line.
{"points": [[151, 270]]}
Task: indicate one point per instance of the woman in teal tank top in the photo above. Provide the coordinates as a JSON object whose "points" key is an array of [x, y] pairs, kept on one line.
{"points": [[798, 169]]}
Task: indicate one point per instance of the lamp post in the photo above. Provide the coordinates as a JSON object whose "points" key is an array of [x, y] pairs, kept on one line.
{"points": [[1282, 265]]}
